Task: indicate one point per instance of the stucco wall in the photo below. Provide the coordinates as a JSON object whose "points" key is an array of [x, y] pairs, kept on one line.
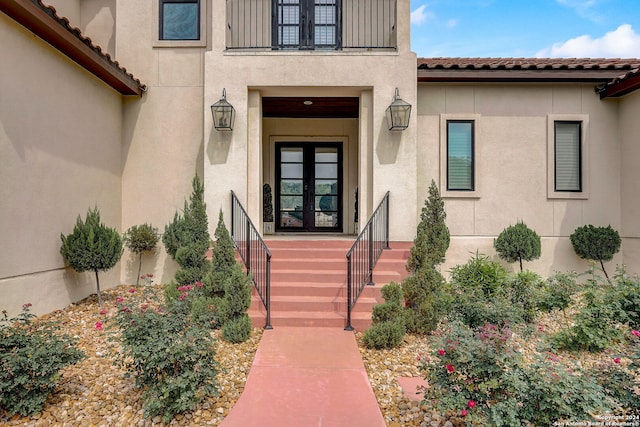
{"points": [[512, 166], [630, 191], [60, 133], [162, 138]]}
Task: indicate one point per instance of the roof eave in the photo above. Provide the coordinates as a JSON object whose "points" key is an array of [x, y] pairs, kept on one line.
{"points": [[30, 15], [516, 76], [621, 88]]}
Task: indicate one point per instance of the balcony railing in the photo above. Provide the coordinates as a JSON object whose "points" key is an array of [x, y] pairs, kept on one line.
{"points": [[364, 254], [254, 253], [358, 25]]}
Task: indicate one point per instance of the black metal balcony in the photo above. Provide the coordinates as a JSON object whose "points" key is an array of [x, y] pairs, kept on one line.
{"points": [[320, 25]]}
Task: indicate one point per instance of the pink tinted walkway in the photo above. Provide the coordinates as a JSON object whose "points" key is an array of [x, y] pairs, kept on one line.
{"points": [[306, 377]]}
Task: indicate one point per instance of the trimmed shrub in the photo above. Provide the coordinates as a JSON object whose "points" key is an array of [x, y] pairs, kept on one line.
{"points": [[31, 357], [432, 238], [480, 273], [223, 260], [387, 334], [596, 244], [391, 309], [237, 330], [140, 239], [92, 246], [518, 243], [427, 300]]}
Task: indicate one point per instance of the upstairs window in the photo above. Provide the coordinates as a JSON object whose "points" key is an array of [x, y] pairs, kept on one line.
{"points": [[568, 156], [306, 24], [179, 19], [460, 155]]}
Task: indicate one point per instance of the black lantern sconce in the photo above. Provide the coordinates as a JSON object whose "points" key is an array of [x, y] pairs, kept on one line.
{"points": [[398, 113], [223, 113]]}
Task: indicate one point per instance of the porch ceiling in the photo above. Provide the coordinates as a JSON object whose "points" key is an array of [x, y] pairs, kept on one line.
{"points": [[320, 107]]}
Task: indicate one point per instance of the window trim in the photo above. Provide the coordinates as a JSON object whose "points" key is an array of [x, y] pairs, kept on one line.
{"points": [[552, 193], [445, 119], [201, 42]]}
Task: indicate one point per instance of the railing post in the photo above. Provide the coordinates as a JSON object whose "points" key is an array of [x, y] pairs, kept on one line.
{"points": [[371, 237], [247, 243], [348, 327], [268, 293], [386, 228]]}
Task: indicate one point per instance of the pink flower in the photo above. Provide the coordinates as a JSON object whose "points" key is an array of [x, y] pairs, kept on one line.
{"points": [[27, 305], [182, 296], [471, 404], [636, 333], [149, 275], [199, 284], [99, 326], [119, 299], [103, 311], [463, 413], [441, 352], [450, 368], [143, 277], [616, 360], [132, 291]]}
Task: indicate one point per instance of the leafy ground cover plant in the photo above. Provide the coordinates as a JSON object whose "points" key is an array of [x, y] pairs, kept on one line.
{"points": [[518, 243], [31, 357], [557, 291], [140, 239], [92, 246], [480, 375], [388, 327], [171, 356], [596, 244]]}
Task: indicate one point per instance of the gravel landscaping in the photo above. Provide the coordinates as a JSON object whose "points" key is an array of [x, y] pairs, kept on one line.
{"points": [[95, 391]]}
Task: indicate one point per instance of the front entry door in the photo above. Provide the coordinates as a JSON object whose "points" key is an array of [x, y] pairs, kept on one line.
{"points": [[309, 186]]}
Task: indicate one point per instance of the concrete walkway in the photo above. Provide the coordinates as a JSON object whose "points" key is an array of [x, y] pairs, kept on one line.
{"points": [[306, 377]]}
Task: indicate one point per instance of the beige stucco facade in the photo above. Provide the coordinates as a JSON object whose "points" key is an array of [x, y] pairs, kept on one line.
{"points": [[69, 142]]}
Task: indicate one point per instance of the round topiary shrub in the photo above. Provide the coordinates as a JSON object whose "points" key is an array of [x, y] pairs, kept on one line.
{"points": [[596, 244], [140, 239], [518, 243], [388, 334]]}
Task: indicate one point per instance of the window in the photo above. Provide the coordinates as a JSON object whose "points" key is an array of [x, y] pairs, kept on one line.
{"points": [[567, 156], [460, 158], [306, 24], [179, 20]]}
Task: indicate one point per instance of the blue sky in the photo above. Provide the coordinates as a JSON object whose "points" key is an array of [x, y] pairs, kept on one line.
{"points": [[526, 28]]}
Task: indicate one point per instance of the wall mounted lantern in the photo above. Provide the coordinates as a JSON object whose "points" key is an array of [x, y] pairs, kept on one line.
{"points": [[398, 113], [223, 113]]}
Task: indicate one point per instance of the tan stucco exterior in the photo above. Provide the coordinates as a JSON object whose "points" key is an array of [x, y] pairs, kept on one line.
{"points": [[69, 142]]}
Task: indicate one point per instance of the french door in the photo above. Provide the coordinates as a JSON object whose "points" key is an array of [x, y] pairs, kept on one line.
{"points": [[306, 24], [309, 186]]}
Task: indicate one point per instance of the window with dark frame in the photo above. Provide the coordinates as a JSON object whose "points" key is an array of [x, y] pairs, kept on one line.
{"points": [[306, 24], [568, 156], [179, 20], [460, 155]]}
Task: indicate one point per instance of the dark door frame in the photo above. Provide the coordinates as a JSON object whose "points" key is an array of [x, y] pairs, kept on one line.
{"points": [[311, 202]]}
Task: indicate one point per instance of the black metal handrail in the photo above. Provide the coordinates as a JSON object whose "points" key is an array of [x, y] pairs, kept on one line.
{"points": [[361, 25], [364, 254], [254, 253]]}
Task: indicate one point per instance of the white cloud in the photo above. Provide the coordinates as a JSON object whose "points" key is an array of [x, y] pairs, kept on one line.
{"points": [[584, 8], [420, 15], [624, 42], [451, 23]]}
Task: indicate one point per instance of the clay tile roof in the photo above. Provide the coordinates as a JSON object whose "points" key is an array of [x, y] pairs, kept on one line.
{"points": [[621, 85], [45, 22], [598, 70]]}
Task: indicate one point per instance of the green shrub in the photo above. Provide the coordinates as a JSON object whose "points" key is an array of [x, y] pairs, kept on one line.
{"points": [[237, 295], [557, 291], [596, 244], [387, 334], [432, 238], [31, 357], [480, 273], [426, 298], [480, 375], [223, 260], [524, 291], [237, 329], [627, 294], [187, 239], [92, 246], [596, 326], [171, 356], [518, 243], [140, 239], [391, 309]]}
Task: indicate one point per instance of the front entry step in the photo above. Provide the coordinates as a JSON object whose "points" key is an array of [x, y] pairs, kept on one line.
{"points": [[309, 284]]}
